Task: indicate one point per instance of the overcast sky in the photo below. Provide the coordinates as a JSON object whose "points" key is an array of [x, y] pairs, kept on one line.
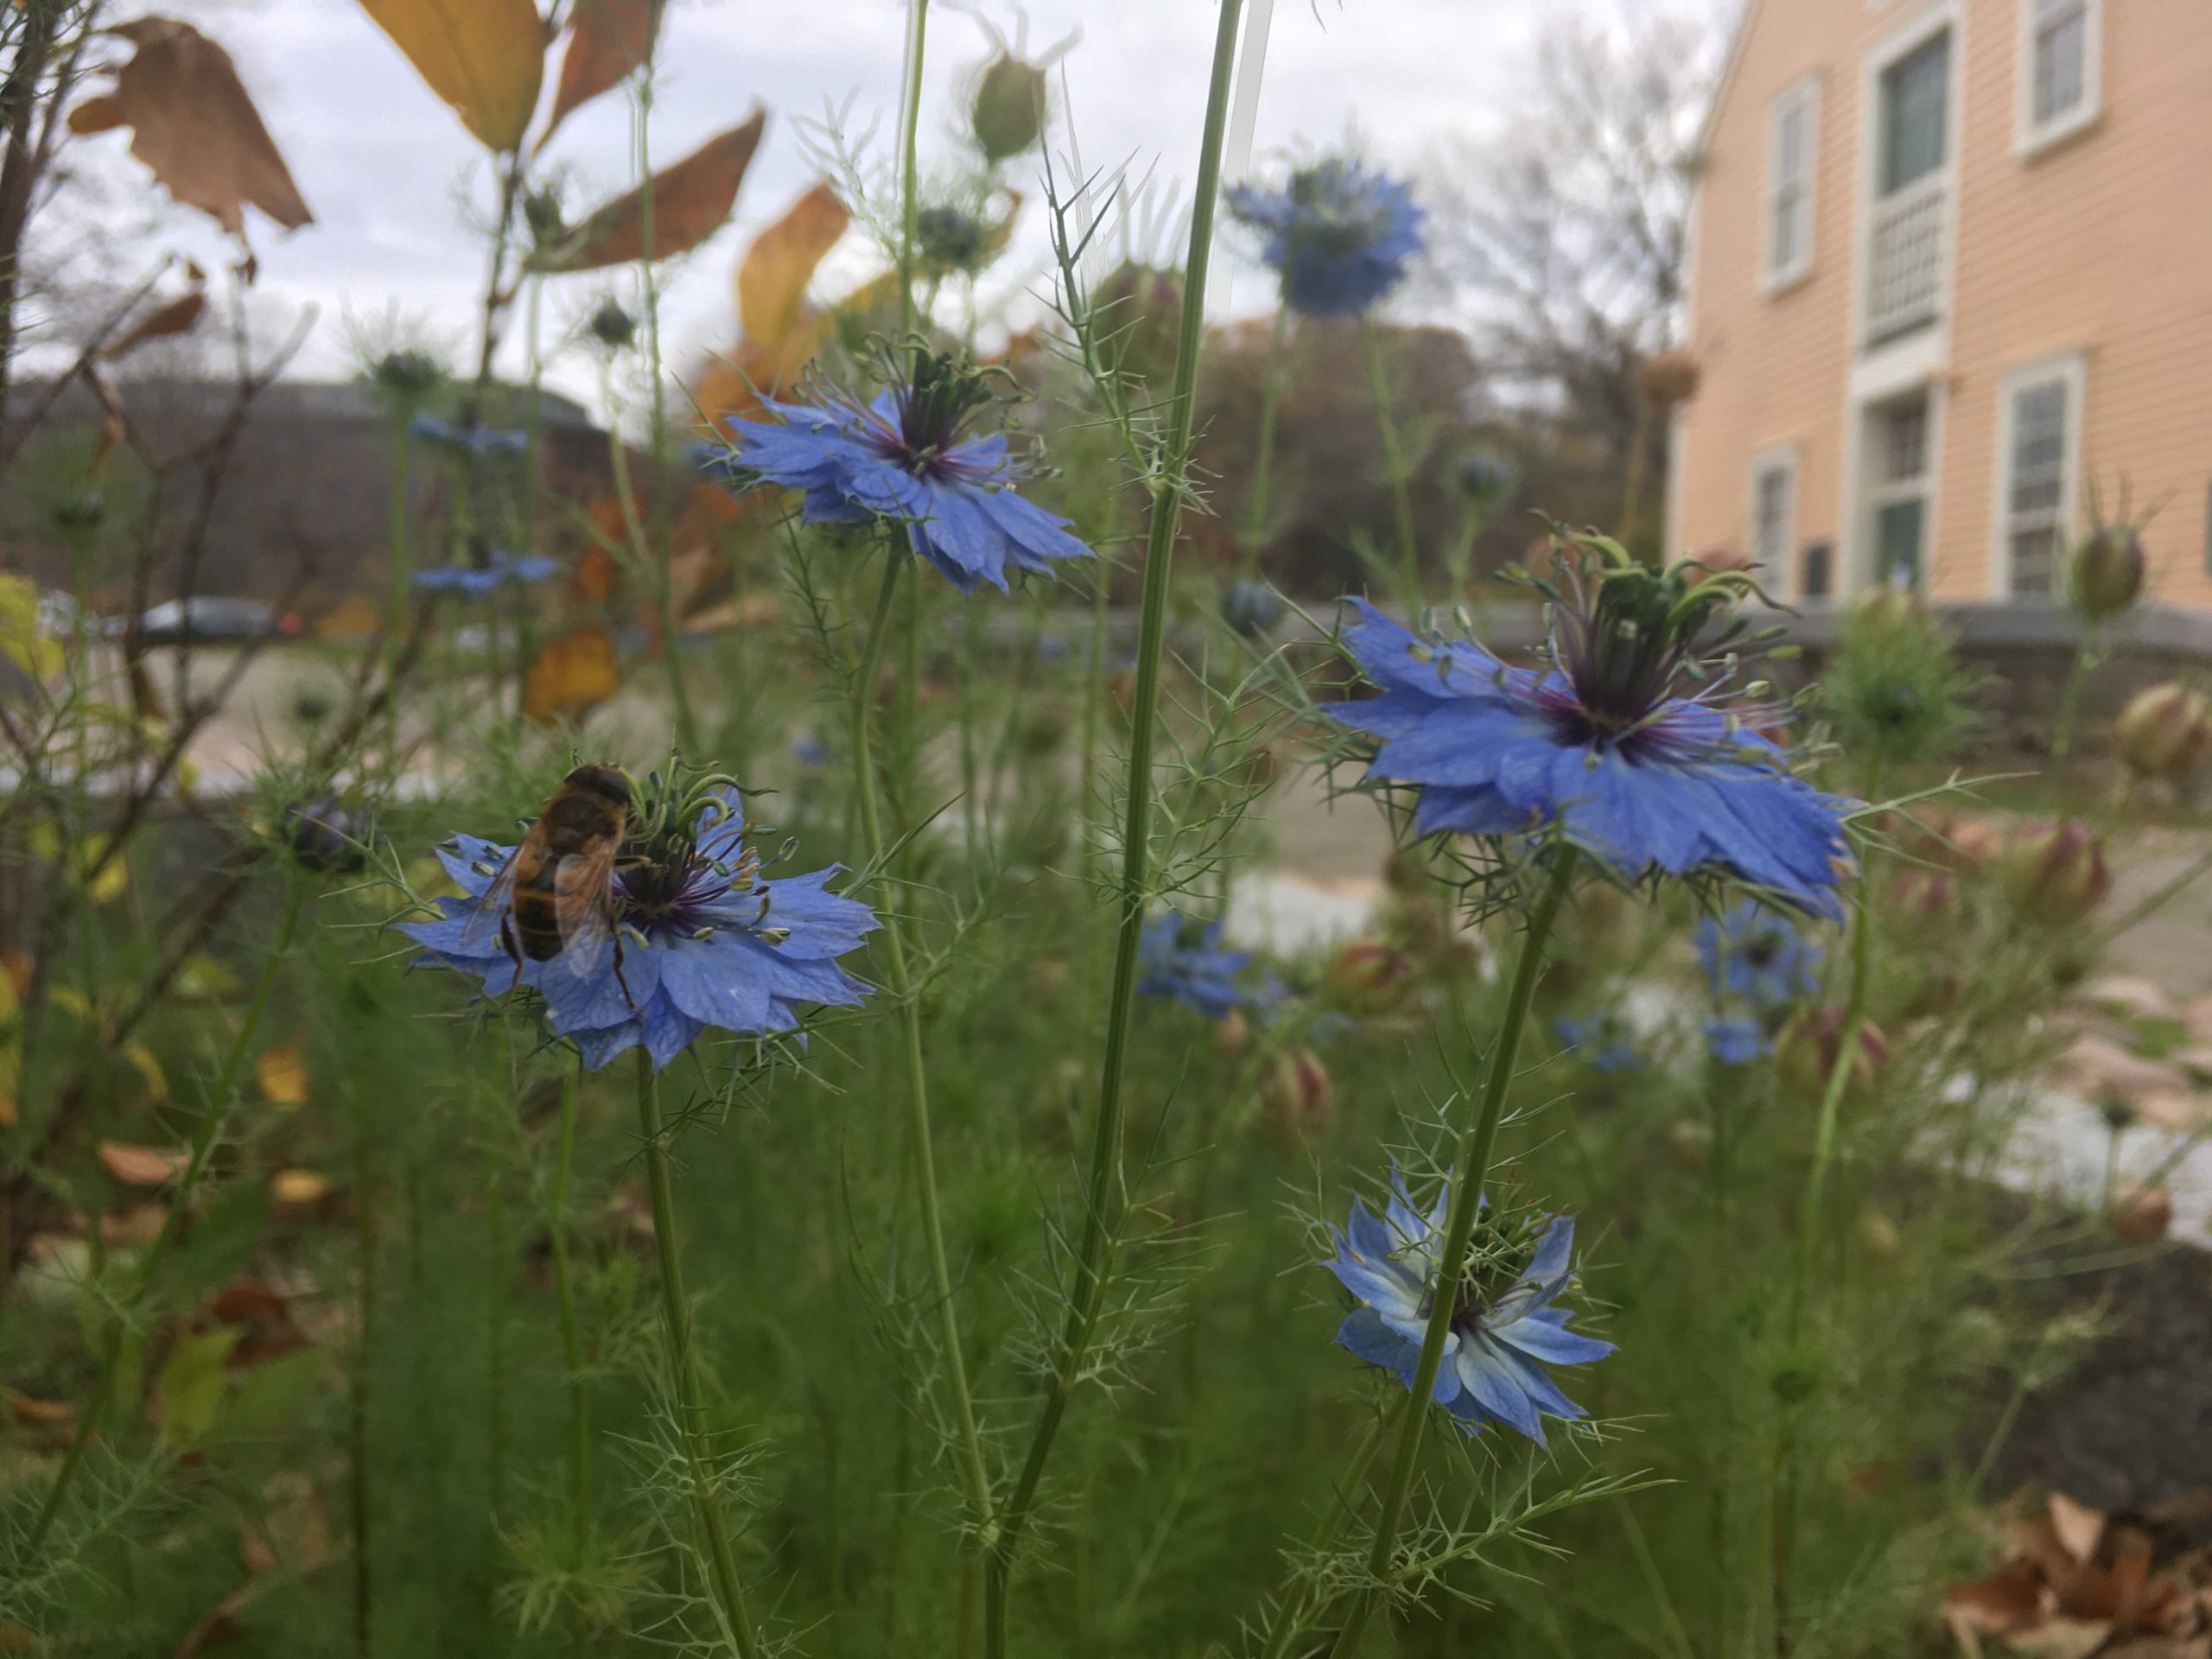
{"points": [[394, 181]]}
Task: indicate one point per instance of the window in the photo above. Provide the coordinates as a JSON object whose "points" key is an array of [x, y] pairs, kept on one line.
{"points": [[1774, 513], [1898, 498], [1793, 137], [2039, 423], [1916, 114], [2059, 68], [1908, 152]]}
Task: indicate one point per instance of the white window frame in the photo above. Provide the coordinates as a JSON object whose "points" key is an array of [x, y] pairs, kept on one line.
{"points": [[2030, 137], [2071, 370], [1804, 96], [1780, 577], [1929, 347]]}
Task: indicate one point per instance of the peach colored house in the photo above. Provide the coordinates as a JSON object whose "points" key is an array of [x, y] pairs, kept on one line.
{"points": [[1951, 276]]}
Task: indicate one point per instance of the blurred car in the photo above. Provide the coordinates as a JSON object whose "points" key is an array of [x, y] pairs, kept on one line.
{"points": [[208, 620]]}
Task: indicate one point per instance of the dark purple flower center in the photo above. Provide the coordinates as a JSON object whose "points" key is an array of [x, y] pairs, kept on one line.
{"points": [[934, 401], [667, 885]]}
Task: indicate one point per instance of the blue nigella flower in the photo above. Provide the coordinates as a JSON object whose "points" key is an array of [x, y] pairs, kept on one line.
{"points": [[1596, 1038], [1604, 744], [1748, 951], [1251, 608], [1338, 235], [480, 581], [482, 440], [907, 457], [1506, 1330], [1737, 1041], [811, 751], [1180, 958], [705, 940]]}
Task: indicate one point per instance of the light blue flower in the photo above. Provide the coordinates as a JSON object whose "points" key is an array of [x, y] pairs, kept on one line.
{"points": [[1747, 951], [1338, 235], [705, 939], [480, 581], [1507, 1328], [439, 434], [1737, 1041], [1597, 1042], [1615, 743], [1179, 958], [907, 457]]}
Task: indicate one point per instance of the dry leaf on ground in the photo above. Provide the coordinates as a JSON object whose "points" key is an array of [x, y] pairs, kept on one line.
{"points": [[142, 1166]]}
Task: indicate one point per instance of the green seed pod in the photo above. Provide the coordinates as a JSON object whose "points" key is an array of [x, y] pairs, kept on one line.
{"points": [[1008, 114], [2055, 875], [2106, 573], [1138, 310], [2164, 733]]}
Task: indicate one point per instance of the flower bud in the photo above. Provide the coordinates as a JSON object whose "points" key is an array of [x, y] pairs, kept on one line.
{"points": [[541, 211], [2164, 733], [1811, 1045], [323, 837], [1008, 114], [1485, 475], [1251, 608], [1370, 978], [951, 241], [1924, 895], [1233, 1035], [2106, 573], [2055, 874], [406, 374], [2141, 1215], [613, 327], [1690, 1144], [1139, 312], [1297, 1097]]}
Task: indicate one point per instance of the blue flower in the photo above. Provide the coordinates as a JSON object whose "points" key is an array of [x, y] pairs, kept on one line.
{"points": [[1180, 958], [480, 581], [1748, 951], [703, 939], [1507, 1328], [908, 458], [809, 751], [1600, 745], [1251, 608], [481, 440], [1737, 1041], [1602, 1048], [1338, 235]]}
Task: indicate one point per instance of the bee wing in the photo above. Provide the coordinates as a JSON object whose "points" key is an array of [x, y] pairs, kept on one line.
{"points": [[492, 909], [583, 904]]}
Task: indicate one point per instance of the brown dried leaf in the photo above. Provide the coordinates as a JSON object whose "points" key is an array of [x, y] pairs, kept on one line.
{"points": [[39, 1414], [283, 1073], [194, 126], [690, 200], [176, 317], [2141, 1216], [298, 1188], [486, 58], [2078, 1526], [573, 674], [608, 41], [115, 425], [142, 1166], [772, 277]]}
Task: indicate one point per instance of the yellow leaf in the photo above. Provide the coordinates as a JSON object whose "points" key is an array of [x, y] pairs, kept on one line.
{"points": [[142, 1058], [486, 58], [298, 1186], [20, 641], [690, 200], [70, 1001], [607, 40], [283, 1073], [142, 1166], [572, 675], [113, 874], [772, 277], [194, 126]]}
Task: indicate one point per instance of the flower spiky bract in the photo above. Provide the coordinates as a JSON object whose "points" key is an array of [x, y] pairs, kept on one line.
{"points": [[706, 938], [1622, 743], [908, 457], [1506, 1328], [1339, 235]]}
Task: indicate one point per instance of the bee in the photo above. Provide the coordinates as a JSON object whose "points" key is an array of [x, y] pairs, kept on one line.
{"points": [[554, 896]]}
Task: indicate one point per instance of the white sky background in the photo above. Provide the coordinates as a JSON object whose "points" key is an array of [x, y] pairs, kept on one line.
{"points": [[396, 182]]}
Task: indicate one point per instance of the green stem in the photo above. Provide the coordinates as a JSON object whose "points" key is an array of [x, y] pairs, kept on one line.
{"points": [[905, 992], [671, 643], [683, 1371], [1299, 1612], [1471, 1169], [1809, 1229], [910, 163], [394, 625], [365, 1237], [1263, 454], [1104, 1195], [1393, 464], [204, 1143], [2070, 712], [564, 1290]]}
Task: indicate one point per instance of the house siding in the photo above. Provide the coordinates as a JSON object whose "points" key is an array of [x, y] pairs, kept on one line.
{"points": [[2100, 244]]}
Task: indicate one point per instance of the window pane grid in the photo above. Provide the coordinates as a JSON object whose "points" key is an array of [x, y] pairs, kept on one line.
{"points": [[2035, 486]]}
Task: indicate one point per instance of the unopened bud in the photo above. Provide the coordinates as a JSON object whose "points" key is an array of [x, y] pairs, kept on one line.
{"points": [[2105, 576], [2165, 732], [612, 325], [1008, 115], [1370, 978], [1811, 1047], [1298, 1098], [1233, 1035], [1138, 311], [2141, 1215], [1924, 895], [2055, 874]]}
